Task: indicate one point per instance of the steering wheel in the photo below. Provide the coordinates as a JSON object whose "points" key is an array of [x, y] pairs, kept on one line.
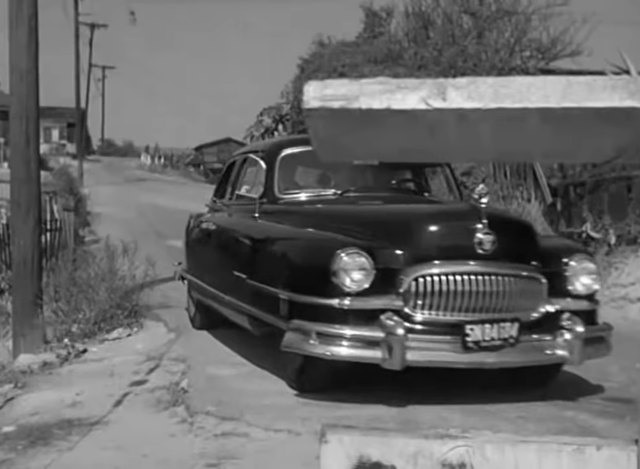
{"points": [[398, 182]]}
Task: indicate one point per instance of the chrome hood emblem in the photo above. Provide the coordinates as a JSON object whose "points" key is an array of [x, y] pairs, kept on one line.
{"points": [[485, 240]]}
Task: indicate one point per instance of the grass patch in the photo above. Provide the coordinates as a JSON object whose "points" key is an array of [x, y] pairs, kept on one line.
{"points": [[70, 195], [86, 293], [95, 290]]}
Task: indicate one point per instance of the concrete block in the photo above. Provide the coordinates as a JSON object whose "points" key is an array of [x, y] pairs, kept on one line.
{"points": [[570, 119], [350, 448]]}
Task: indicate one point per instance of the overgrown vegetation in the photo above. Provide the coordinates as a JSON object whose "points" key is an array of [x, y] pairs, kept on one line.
{"points": [[453, 38], [87, 290], [70, 195], [433, 38], [112, 148], [94, 290]]}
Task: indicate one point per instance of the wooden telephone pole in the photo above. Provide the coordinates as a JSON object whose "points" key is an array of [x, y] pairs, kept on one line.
{"points": [[93, 27], [24, 132], [77, 86], [104, 69]]}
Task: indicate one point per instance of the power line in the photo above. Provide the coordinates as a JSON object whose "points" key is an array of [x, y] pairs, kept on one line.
{"points": [[104, 69], [93, 27]]}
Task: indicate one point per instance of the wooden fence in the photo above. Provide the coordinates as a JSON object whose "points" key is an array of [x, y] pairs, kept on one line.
{"points": [[606, 198], [58, 230]]}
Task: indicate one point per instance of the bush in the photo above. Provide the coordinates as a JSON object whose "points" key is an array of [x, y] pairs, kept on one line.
{"points": [[94, 290], [111, 148], [438, 38], [71, 196], [529, 210]]}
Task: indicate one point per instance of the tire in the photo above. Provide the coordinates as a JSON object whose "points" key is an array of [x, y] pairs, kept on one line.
{"points": [[535, 377], [201, 316], [310, 375]]}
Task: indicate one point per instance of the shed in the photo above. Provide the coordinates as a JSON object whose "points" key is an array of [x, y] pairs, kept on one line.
{"points": [[212, 156]]}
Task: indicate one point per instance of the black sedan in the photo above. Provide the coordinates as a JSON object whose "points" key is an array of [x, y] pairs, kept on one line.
{"points": [[384, 263]]}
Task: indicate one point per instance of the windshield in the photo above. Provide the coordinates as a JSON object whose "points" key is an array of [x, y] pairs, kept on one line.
{"points": [[302, 172]]}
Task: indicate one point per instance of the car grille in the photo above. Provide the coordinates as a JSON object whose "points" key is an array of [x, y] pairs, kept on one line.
{"points": [[466, 296]]}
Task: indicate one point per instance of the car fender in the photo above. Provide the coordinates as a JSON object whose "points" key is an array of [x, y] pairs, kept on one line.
{"points": [[553, 252], [299, 261]]}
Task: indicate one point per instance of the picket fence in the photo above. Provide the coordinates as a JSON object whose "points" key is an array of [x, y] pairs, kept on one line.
{"points": [[58, 230]]}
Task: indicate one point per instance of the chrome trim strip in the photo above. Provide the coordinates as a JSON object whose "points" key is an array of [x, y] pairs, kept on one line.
{"points": [[250, 310], [469, 267], [573, 304], [386, 302], [240, 319], [276, 170]]}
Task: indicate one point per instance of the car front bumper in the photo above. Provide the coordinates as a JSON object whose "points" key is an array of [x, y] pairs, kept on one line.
{"points": [[392, 345]]}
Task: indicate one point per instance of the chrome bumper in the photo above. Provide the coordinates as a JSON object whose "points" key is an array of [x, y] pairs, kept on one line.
{"points": [[391, 345]]}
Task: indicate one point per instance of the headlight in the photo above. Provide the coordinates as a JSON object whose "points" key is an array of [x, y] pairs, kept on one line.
{"points": [[583, 277], [352, 270]]}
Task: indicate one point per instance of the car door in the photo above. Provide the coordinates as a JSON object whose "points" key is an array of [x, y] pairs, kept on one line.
{"points": [[206, 236], [241, 226]]}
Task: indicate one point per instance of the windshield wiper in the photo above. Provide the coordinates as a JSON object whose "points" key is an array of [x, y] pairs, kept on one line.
{"points": [[314, 192], [376, 190]]}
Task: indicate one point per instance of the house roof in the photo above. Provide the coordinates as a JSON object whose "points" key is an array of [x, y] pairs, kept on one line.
{"points": [[219, 141], [5, 99], [58, 112], [46, 112]]}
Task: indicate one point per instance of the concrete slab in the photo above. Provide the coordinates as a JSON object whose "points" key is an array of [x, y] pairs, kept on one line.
{"points": [[351, 448], [570, 119]]}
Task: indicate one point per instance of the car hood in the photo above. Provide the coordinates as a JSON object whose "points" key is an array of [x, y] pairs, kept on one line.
{"points": [[423, 231]]}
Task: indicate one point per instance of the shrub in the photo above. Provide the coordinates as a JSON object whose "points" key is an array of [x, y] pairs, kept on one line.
{"points": [[111, 148], [436, 38], [529, 210], [71, 196], [94, 290]]}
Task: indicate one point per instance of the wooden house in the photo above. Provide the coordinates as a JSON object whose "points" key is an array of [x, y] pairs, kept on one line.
{"points": [[210, 157]]}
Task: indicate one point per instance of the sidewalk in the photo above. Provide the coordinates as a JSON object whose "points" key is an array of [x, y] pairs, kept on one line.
{"points": [[117, 407]]}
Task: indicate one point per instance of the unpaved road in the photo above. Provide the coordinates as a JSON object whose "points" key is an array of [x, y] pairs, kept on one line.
{"points": [[234, 376]]}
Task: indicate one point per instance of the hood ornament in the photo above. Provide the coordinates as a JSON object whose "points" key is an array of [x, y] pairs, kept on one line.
{"points": [[485, 240]]}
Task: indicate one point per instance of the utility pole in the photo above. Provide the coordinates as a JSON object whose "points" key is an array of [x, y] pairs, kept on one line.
{"points": [[93, 26], [104, 69], [25, 214], [78, 100]]}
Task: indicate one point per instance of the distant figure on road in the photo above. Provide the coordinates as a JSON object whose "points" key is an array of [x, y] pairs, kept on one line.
{"points": [[145, 156]]}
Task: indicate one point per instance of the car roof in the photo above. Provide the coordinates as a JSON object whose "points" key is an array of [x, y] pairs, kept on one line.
{"points": [[272, 147]]}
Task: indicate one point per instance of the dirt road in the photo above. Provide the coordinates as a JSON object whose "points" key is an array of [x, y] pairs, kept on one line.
{"points": [[234, 377]]}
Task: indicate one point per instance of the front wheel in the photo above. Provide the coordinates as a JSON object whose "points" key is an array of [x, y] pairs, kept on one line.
{"points": [[308, 375], [535, 377], [201, 317]]}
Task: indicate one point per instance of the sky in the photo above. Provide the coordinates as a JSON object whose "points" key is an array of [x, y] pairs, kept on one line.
{"points": [[191, 71]]}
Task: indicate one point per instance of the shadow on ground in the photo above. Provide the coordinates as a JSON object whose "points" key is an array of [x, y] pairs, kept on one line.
{"points": [[370, 384], [41, 434]]}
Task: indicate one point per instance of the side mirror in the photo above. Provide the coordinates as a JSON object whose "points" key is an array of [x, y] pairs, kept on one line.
{"points": [[213, 204]]}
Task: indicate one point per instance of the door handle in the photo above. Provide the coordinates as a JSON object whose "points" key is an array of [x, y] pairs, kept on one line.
{"points": [[207, 225]]}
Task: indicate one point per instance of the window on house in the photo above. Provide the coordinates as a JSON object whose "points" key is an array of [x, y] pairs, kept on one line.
{"points": [[62, 136], [47, 134]]}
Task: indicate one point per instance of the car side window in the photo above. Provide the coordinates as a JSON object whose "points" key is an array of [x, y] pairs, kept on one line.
{"points": [[250, 183], [224, 183], [440, 184]]}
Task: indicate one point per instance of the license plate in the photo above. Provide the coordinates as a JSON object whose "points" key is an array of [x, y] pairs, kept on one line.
{"points": [[489, 335]]}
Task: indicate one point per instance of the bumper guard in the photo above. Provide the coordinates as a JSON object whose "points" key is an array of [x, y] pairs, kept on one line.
{"points": [[392, 345]]}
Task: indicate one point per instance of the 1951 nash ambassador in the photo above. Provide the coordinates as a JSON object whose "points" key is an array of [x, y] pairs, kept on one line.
{"points": [[384, 263]]}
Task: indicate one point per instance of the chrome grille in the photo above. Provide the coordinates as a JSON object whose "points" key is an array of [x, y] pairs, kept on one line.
{"points": [[468, 296]]}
